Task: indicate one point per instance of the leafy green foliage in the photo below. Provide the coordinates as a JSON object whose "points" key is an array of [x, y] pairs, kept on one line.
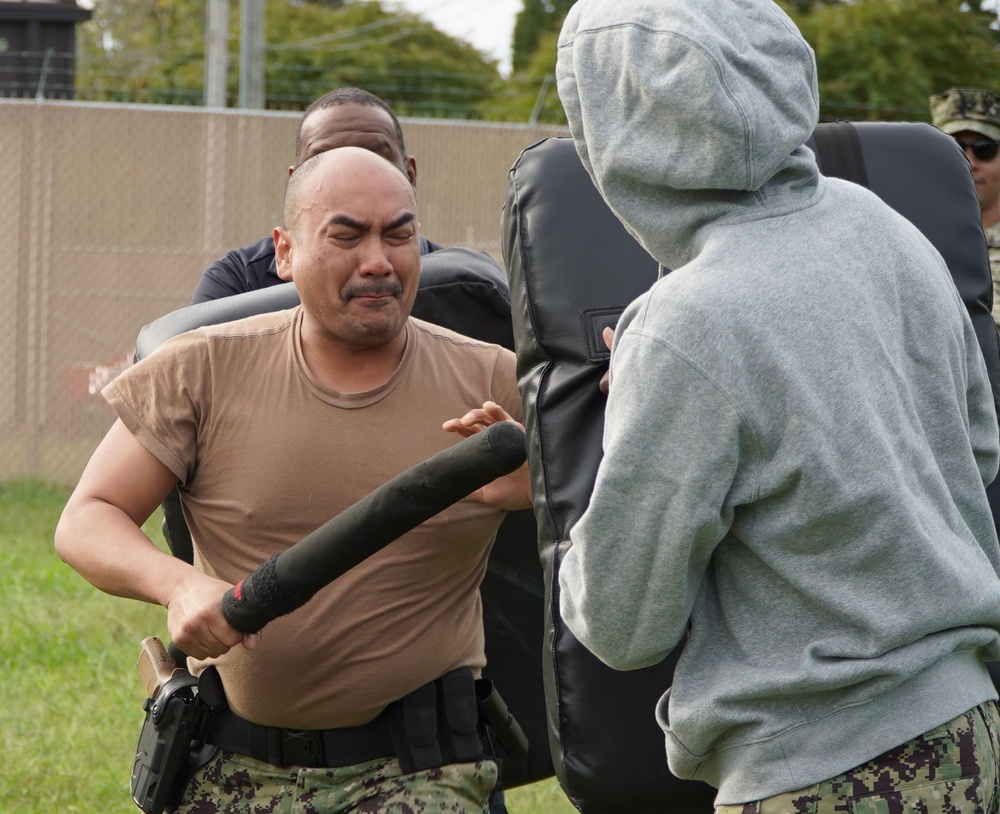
{"points": [[878, 59], [150, 50], [530, 95], [536, 19], [400, 57], [882, 59], [805, 6], [153, 50]]}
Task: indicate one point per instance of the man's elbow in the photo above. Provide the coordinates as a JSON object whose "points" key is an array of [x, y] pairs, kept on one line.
{"points": [[62, 540], [67, 537]]}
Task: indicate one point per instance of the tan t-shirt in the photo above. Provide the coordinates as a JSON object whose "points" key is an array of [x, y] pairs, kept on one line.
{"points": [[265, 454]]}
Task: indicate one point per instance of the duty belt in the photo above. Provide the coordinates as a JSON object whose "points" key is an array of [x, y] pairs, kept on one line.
{"points": [[434, 725], [312, 748]]}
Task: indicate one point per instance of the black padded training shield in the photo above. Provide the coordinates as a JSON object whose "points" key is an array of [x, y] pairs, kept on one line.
{"points": [[573, 269]]}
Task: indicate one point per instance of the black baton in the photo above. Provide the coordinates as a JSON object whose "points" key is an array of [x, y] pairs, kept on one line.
{"points": [[288, 580]]}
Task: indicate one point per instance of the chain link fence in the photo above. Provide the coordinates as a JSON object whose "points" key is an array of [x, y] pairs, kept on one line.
{"points": [[115, 210], [68, 75]]}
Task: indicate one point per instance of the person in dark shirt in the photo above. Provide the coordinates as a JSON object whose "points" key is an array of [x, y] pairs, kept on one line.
{"points": [[346, 117]]}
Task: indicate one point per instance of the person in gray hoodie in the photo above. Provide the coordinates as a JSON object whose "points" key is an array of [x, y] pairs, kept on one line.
{"points": [[798, 433]]}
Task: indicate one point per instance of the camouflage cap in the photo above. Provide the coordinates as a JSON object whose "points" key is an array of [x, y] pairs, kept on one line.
{"points": [[960, 109]]}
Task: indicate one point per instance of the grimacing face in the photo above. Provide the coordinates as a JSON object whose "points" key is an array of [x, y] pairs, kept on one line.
{"points": [[352, 125], [352, 248]]}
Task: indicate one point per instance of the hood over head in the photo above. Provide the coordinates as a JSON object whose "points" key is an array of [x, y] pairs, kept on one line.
{"points": [[688, 111]]}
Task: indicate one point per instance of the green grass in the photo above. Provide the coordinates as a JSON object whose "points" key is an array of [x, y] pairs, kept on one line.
{"points": [[71, 699]]}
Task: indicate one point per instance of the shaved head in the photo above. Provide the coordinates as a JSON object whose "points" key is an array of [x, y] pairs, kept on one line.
{"points": [[327, 167]]}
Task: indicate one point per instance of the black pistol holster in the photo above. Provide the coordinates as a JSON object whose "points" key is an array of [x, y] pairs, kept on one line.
{"points": [[171, 745], [496, 721]]}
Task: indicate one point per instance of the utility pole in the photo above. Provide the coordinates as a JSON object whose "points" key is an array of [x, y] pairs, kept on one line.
{"points": [[540, 99], [252, 54], [216, 52]]}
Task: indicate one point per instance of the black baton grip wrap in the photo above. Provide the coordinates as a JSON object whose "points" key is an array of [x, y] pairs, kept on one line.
{"points": [[289, 579], [258, 599]]}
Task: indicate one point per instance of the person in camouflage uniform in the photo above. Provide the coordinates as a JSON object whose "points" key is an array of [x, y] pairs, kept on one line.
{"points": [[973, 118]]}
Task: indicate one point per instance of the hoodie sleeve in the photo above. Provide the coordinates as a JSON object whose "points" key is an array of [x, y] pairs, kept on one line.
{"points": [[661, 503]]}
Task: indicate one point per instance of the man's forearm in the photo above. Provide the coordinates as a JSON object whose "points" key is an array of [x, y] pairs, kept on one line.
{"points": [[111, 552]]}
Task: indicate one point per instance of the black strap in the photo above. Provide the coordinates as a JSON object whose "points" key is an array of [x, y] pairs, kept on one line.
{"points": [[313, 748], [838, 151], [434, 725]]}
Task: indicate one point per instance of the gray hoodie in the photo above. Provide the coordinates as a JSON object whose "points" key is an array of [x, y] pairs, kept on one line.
{"points": [[800, 424]]}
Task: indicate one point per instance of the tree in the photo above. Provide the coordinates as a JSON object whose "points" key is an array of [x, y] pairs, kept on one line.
{"points": [[153, 50], [805, 6], [534, 21], [402, 58], [882, 59], [142, 50], [530, 95]]}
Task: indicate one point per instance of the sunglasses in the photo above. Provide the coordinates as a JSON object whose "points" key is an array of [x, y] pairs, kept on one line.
{"points": [[985, 150]]}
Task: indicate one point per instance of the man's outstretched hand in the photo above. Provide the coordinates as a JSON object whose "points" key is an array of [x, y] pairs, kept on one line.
{"points": [[510, 492]]}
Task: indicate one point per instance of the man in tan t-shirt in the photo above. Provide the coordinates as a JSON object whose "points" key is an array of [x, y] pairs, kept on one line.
{"points": [[365, 392]]}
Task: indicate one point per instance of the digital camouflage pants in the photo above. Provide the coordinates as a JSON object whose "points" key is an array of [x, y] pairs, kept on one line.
{"points": [[949, 770], [235, 784]]}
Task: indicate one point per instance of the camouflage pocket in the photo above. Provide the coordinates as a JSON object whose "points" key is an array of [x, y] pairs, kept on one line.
{"points": [[951, 769], [948, 797]]}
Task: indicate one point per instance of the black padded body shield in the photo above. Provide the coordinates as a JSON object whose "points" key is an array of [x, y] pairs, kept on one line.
{"points": [[573, 268], [466, 291]]}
